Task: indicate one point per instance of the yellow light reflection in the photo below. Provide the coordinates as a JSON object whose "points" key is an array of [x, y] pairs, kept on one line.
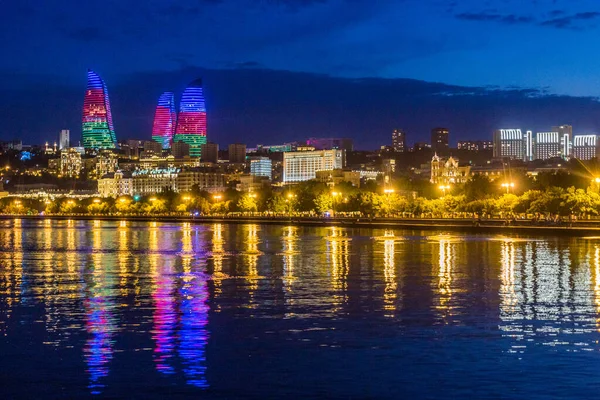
{"points": [[389, 269], [217, 257], [338, 256]]}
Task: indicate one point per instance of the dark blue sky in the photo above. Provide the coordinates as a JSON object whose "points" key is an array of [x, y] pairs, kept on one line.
{"points": [[277, 70]]}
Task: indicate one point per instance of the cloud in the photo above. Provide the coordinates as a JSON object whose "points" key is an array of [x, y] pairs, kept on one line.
{"points": [[257, 105], [571, 21], [508, 19]]}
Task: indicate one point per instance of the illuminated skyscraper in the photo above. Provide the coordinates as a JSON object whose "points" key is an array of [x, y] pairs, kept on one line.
{"points": [[98, 129], [191, 122], [165, 120]]}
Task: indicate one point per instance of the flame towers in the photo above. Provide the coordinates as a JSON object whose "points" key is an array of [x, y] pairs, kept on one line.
{"points": [[191, 122], [164, 120], [98, 129]]}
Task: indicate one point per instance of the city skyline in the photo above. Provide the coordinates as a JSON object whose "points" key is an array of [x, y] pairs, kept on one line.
{"points": [[375, 67]]}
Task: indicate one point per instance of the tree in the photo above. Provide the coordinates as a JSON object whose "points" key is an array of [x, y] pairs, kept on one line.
{"points": [[478, 187], [278, 203], [247, 203], [324, 202], [507, 204]]}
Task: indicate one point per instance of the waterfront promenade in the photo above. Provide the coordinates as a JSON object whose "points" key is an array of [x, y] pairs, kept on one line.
{"points": [[493, 225]]}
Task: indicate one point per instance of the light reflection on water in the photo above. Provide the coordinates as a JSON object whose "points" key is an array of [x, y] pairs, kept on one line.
{"points": [[249, 310]]}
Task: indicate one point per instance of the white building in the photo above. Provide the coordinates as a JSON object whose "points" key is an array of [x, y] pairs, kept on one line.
{"points": [[547, 145], [509, 143], [529, 146], [585, 147], [155, 180], [64, 139], [115, 185], [146, 182], [261, 166], [302, 166]]}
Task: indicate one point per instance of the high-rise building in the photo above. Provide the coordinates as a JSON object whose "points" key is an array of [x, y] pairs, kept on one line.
{"points": [[180, 150], [97, 122], [529, 146], [398, 141], [585, 147], [237, 153], [191, 121], [565, 132], [509, 143], [165, 119], [331, 143], [261, 166], [299, 166], [64, 139], [440, 140], [547, 145], [210, 152]]}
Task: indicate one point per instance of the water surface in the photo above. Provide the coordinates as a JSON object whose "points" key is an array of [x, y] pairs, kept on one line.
{"points": [[217, 311]]}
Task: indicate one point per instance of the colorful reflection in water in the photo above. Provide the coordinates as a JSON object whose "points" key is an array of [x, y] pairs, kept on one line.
{"points": [[227, 311]]}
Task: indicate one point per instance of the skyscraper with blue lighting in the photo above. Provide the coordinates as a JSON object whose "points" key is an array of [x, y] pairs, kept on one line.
{"points": [[165, 119], [191, 122], [97, 125]]}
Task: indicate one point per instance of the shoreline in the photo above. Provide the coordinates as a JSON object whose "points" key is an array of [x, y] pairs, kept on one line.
{"points": [[580, 228]]}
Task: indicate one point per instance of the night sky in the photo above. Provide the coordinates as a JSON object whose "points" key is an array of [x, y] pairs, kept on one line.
{"points": [[278, 71]]}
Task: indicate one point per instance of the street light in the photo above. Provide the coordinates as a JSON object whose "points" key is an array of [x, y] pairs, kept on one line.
{"points": [[508, 186], [217, 197], [389, 191], [443, 188], [187, 198], [96, 201]]}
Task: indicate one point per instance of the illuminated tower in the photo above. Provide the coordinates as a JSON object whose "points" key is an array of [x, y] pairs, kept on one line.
{"points": [[98, 129], [165, 119], [191, 122]]}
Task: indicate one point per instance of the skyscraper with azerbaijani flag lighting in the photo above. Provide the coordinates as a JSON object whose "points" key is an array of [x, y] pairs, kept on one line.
{"points": [[165, 120], [191, 122], [98, 131]]}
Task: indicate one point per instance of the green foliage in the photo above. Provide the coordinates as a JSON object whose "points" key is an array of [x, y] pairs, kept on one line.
{"points": [[248, 203]]}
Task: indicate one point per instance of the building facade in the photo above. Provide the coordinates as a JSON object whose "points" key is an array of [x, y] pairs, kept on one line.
{"points": [[64, 139], [547, 145], [509, 143], [446, 171], [566, 136], [398, 141], [97, 122], [440, 140], [180, 150], [261, 166], [165, 120], [302, 166], [475, 145], [210, 152], [115, 184], [337, 176], [191, 122], [71, 164], [237, 153], [106, 162], [585, 147]]}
